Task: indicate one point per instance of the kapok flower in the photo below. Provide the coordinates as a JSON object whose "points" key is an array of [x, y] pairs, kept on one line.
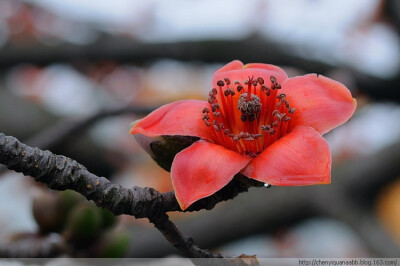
{"points": [[258, 122]]}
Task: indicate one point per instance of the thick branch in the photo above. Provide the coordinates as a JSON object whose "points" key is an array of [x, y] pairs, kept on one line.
{"points": [[61, 173]]}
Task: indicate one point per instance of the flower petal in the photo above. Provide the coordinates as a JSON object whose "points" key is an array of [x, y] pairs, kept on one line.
{"points": [[300, 158], [177, 118], [235, 70], [202, 169], [320, 102], [234, 65]]}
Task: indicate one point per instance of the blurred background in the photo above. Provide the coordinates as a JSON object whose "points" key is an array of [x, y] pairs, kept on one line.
{"points": [[71, 73]]}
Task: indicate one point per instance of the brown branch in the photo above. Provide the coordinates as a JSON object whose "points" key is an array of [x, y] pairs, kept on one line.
{"points": [[61, 173]]}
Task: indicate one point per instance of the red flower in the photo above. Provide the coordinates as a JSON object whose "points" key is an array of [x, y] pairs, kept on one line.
{"points": [[256, 122]]}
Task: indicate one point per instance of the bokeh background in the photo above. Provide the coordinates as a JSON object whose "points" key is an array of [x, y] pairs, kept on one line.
{"points": [[71, 71]]}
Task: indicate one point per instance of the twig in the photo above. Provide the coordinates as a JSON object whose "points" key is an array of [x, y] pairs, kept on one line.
{"points": [[179, 241], [61, 173]]}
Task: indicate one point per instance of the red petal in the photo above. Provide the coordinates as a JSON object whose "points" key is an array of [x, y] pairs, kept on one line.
{"points": [[202, 169], [300, 158], [320, 102], [178, 118], [234, 65], [235, 70]]}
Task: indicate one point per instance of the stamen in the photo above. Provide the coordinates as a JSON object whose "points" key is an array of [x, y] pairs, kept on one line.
{"points": [[217, 114], [264, 114], [227, 81]]}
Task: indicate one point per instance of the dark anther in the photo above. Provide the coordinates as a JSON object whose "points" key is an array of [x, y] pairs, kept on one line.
{"points": [[287, 104], [216, 128], [236, 138], [206, 110], [278, 86], [291, 110], [214, 107], [275, 123], [287, 118], [227, 81], [260, 80], [220, 83], [273, 79], [243, 118], [265, 127], [227, 92], [268, 92], [271, 131], [226, 132], [221, 126], [255, 82], [282, 97], [236, 82], [232, 92], [214, 90], [239, 88], [278, 104], [206, 116], [249, 138], [207, 122], [246, 82], [256, 136], [217, 114], [211, 100]]}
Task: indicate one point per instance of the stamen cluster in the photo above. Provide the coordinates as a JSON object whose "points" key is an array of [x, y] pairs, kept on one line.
{"points": [[247, 116]]}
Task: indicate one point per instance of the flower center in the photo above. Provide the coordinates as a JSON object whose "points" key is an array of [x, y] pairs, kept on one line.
{"points": [[247, 116]]}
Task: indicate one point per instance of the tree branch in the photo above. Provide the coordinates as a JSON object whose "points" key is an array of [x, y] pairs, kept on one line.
{"points": [[61, 173]]}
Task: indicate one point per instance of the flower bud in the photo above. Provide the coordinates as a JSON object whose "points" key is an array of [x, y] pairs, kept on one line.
{"points": [[164, 148]]}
